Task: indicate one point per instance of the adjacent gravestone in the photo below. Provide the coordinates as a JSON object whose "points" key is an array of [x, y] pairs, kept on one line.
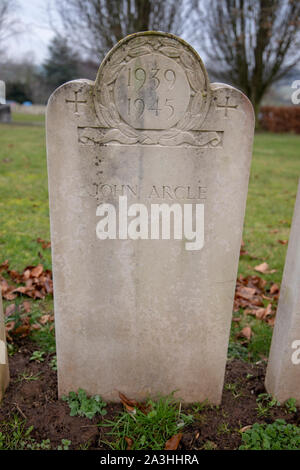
{"points": [[5, 112], [2, 92], [4, 371], [148, 175], [283, 372]]}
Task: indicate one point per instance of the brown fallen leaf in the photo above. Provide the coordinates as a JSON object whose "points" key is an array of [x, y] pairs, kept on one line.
{"points": [[26, 306], [37, 271], [130, 405], [283, 242], [274, 289], [10, 310], [173, 442], [271, 321], [4, 266], [46, 319], [247, 293], [24, 329], [9, 296], [245, 428], [264, 268], [129, 442], [246, 332], [44, 243], [8, 329]]}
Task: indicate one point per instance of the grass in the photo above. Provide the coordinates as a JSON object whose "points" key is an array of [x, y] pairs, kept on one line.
{"points": [[147, 431], [23, 196], [15, 435], [24, 215], [272, 192], [21, 117]]}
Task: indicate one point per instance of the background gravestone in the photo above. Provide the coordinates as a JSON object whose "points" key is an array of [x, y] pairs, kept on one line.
{"points": [[4, 371], [5, 112], [2, 92], [146, 317], [283, 372]]}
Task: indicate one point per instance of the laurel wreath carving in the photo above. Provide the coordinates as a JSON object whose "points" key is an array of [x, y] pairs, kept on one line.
{"points": [[108, 114]]}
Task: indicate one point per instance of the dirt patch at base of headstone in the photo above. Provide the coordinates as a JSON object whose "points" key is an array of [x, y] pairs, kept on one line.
{"points": [[32, 396]]}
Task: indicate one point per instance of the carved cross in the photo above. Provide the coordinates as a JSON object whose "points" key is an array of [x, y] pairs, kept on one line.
{"points": [[76, 102], [226, 106]]}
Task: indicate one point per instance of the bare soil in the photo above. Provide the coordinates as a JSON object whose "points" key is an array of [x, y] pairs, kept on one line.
{"points": [[36, 401]]}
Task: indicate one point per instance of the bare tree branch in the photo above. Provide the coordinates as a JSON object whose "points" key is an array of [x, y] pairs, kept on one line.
{"points": [[95, 26], [251, 43], [8, 22]]}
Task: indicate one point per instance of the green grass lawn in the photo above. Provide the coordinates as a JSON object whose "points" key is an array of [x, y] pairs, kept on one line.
{"points": [[24, 210], [272, 192], [22, 117]]}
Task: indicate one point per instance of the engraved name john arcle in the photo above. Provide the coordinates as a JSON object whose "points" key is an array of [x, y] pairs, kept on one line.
{"points": [[178, 192]]}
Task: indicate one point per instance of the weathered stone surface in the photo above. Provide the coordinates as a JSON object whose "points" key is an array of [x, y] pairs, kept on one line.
{"points": [[2, 92], [5, 113], [4, 370], [146, 316], [283, 372]]}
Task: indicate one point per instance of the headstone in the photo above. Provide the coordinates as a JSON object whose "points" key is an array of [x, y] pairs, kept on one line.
{"points": [[5, 112], [4, 371], [140, 307], [2, 92], [283, 371]]}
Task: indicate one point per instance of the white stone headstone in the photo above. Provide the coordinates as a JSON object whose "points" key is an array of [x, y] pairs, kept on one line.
{"points": [[283, 372], [138, 309], [2, 92], [4, 370]]}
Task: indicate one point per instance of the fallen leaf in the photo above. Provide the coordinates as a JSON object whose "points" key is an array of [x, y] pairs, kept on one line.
{"points": [[271, 321], [246, 332], [262, 268], [245, 428], [236, 319], [283, 242], [9, 296], [46, 319], [37, 271], [274, 289], [44, 243], [173, 443], [260, 313], [246, 293], [129, 442], [130, 405], [4, 266], [10, 309], [26, 306]]}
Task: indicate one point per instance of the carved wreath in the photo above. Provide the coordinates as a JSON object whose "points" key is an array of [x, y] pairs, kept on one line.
{"points": [[108, 114]]}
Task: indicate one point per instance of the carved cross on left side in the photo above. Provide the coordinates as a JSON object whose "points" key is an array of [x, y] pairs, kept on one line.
{"points": [[76, 102]]}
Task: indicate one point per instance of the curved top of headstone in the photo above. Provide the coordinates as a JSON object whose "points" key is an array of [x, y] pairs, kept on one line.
{"points": [[152, 81]]}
